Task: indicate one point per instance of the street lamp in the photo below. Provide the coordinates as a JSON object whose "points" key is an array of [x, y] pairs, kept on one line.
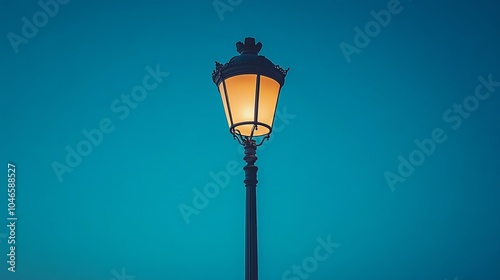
{"points": [[249, 86]]}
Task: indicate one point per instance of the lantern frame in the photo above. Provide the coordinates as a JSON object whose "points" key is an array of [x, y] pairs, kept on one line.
{"points": [[249, 62]]}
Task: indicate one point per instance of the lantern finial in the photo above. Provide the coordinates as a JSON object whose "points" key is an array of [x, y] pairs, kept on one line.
{"points": [[249, 47]]}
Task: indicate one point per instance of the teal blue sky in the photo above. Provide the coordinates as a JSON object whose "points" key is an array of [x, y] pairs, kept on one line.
{"points": [[383, 163]]}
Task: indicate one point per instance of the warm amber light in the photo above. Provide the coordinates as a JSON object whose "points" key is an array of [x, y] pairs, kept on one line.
{"points": [[241, 97], [268, 96]]}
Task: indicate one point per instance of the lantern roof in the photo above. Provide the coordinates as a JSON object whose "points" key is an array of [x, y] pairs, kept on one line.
{"points": [[248, 62]]}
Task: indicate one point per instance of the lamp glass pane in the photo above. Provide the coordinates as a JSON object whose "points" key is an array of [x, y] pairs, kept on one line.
{"points": [[268, 96], [224, 102], [241, 96]]}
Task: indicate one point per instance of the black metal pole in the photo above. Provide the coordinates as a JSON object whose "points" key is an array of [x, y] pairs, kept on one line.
{"points": [[251, 270]]}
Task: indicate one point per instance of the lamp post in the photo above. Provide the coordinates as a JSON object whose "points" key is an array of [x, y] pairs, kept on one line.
{"points": [[249, 86]]}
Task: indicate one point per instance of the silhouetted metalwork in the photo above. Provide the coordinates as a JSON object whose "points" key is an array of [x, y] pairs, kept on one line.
{"points": [[259, 96], [251, 269]]}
